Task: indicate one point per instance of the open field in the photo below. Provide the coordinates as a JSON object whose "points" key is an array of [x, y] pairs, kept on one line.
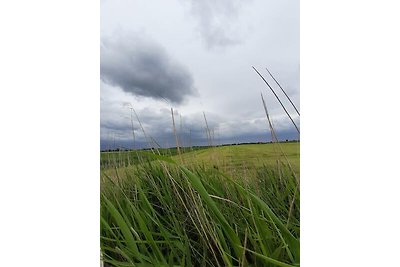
{"points": [[221, 206], [246, 156], [232, 157]]}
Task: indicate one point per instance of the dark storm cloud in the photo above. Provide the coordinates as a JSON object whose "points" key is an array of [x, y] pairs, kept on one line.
{"points": [[143, 68], [215, 21]]}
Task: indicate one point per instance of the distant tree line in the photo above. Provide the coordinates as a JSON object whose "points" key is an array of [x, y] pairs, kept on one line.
{"points": [[122, 149]]}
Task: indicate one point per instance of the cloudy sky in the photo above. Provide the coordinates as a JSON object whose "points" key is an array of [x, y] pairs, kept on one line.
{"points": [[195, 57]]}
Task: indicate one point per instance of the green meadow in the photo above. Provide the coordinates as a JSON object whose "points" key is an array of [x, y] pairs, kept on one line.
{"points": [[235, 205], [244, 157], [229, 157]]}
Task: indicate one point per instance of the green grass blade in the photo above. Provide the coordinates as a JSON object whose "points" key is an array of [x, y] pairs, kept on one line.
{"points": [[196, 183], [123, 226], [270, 260]]}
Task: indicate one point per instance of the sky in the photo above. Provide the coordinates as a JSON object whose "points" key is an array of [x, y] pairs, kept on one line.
{"points": [[196, 57]]}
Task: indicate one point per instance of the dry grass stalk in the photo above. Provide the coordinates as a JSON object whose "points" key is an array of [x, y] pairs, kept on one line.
{"points": [[287, 113]]}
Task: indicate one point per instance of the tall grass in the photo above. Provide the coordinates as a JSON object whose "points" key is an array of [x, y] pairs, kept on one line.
{"points": [[165, 214], [277, 98]]}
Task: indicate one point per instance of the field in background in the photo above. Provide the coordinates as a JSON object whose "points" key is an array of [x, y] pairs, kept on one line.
{"points": [[244, 157], [230, 158]]}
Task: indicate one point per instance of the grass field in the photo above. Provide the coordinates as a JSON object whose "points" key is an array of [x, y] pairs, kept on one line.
{"points": [[124, 158], [220, 206], [232, 157], [244, 157]]}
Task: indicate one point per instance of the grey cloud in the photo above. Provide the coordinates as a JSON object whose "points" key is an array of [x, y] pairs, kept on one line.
{"points": [[215, 21], [196, 135], [144, 68]]}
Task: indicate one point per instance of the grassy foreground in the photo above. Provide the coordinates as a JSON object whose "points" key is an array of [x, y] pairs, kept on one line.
{"points": [[192, 211]]}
